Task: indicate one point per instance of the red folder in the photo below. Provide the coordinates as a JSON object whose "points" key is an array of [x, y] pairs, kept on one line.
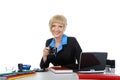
{"points": [[99, 76]]}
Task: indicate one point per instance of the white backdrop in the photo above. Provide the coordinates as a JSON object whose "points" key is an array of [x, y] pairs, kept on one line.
{"points": [[24, 28]]}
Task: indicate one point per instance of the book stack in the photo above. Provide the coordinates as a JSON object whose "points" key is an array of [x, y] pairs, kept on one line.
{"points": [[61, 70], [14, 75]]}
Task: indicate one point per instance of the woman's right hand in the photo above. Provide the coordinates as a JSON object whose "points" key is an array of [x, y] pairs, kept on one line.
{"points": [[45, 53]]}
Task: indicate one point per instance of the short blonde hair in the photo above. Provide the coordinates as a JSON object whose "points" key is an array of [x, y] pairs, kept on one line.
{"points": [[58, 19]]}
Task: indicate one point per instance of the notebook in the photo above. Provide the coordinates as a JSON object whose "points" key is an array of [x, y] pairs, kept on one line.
{"points": [[61, 70], [92, 62]]}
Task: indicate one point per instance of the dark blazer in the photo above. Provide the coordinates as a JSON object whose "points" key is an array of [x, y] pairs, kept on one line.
{"points": [[66, 57]]}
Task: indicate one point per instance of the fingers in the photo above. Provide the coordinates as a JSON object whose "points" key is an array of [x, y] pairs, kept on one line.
{"points": [[46, 51]]}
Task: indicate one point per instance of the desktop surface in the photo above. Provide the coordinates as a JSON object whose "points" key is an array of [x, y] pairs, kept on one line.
{"points": [[51, 76], [72, 76]]}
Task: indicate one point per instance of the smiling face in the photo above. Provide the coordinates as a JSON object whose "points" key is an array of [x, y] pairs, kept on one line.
{"points": [[57, 30], [58, 25]]}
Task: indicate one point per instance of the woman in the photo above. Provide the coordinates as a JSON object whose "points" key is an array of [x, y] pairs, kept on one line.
{"points": [[68, 49]]}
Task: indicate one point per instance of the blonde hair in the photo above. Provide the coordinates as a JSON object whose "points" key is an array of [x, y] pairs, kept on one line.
{"points": [[58, 19]]}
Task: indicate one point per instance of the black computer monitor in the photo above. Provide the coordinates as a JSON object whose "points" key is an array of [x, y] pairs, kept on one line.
{"points": [[92, 61]]}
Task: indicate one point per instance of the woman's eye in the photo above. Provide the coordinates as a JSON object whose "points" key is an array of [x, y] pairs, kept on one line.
{"points": [[53, 25], [60, 26]]}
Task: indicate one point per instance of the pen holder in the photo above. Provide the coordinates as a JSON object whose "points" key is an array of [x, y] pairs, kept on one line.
{"points": [[20, 65]]}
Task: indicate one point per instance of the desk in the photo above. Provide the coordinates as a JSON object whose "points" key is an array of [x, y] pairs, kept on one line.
{"points": [[51, 76], [72, 76]]}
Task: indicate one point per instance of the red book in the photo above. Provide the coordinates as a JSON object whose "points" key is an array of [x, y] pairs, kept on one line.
{"points": [[61, 70]]}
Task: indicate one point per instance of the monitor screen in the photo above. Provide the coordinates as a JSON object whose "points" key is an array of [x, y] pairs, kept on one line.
{"points": [[92, 61]]}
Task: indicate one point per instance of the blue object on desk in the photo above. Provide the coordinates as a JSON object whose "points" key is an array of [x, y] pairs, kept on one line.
{"points": [[22, 67], [26, 67]]}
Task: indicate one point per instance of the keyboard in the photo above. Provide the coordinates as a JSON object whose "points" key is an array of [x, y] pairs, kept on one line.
{"points": [[91, 72]]}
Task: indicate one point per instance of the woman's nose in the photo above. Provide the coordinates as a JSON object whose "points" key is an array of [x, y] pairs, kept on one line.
{"points": [[57, 28]]}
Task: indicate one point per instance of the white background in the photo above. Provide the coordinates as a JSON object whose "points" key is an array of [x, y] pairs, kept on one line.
{"points": [[24, 28]]}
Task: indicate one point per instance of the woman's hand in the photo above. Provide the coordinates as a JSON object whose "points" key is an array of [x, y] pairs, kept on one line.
{"points": [[45, 53]]}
